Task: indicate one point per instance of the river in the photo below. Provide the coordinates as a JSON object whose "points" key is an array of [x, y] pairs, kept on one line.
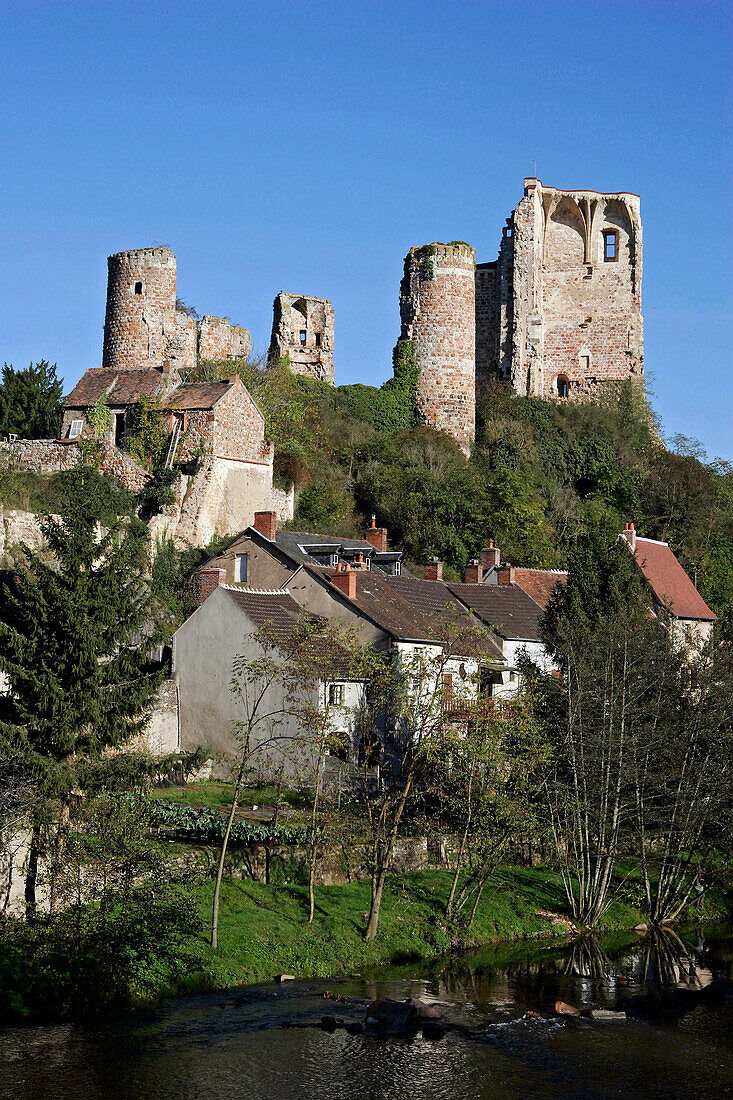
{"points": [[504, 1039]]}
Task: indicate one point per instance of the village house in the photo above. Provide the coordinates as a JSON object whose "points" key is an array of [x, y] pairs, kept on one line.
{"points": [[672, 591], [229, 624]]}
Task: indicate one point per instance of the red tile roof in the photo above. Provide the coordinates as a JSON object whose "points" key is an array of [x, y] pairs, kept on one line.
{"points": [[123, 387], [540, 583], [672, 587]]}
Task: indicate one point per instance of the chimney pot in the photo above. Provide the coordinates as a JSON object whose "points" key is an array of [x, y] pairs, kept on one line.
{"points": [[377, 536], [490, 556], [266, 524], [434, 570], [345, 580], [474, 572]]}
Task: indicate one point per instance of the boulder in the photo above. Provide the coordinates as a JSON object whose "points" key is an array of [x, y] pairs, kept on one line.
{"points": [[328, 1023], [387, 1017], [432, 1029], [424, 1010], [607, 1014], [564, 1009]]}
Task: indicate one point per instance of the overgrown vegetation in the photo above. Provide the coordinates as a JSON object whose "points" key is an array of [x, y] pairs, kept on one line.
{"points": [[31, 401]]}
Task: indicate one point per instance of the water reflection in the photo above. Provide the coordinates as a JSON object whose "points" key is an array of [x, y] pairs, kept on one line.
{"points": [[505, 1040]]}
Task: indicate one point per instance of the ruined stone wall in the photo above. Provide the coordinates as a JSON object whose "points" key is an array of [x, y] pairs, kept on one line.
{"points": [[437, 309], [222, 499], [182, 350], [140, 322], [487, 324], [49, 456], [312, 355], [218, 339], [593, 328], [569, 319]]}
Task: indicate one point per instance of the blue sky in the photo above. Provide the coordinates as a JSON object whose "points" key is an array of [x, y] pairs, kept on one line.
{"points": [[306, 146]]}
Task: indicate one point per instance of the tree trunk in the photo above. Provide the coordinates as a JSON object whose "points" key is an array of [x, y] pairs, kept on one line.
{"points": [[378, 888], [220, 868], [31, 877]]}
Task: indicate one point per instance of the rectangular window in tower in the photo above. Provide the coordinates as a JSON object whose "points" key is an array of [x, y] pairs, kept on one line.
{"points": [[302, 336], [610, 245], [585, 362], [318, 339], [240, 568]]}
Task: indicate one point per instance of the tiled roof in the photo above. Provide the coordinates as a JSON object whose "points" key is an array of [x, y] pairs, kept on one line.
{"points": [[376, 597], [508, 608], [197, 395], [438, 605], [124, 387], [669, 582], [540, 583], [279, 614]]}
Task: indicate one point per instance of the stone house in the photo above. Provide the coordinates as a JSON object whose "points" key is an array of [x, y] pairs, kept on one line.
{"points": [[672, 591], [225, 626]]}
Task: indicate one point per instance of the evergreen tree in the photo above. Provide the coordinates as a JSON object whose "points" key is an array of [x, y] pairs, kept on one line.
{"points": [[76, 633], [30, 401]]}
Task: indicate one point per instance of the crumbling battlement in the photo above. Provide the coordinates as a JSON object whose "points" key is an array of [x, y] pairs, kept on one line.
{"points": [[143, 327], [303, 329]]}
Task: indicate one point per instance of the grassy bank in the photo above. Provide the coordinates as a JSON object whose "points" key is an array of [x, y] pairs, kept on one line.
{"points": [[263, 929]]}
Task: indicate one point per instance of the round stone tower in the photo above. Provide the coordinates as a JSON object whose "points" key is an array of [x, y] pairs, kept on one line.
{"points": [[141, 308], [437, 309]]}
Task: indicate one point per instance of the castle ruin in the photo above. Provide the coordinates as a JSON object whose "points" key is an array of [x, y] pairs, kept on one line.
{"points": [[302, 328], [557, 314], [145, 326]]}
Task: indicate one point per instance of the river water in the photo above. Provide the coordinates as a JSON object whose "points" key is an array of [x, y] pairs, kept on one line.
{"points": [[504, 1039]]}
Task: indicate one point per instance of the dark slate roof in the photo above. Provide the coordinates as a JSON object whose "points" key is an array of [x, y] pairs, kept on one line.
{"points": [[295, 544], [507, 608], [379, 601], [540, 583], [278, 613], [123, 387], [669, 582], [197, 395], [437, 604]]}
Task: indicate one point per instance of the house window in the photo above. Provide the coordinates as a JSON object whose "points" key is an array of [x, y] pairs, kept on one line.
{"points": [[318, 339], [75, 429], [240, 568], [562, 386], [610, 245], [119, 428], [302, 337], [336, 695], [396, 569], [138, 288]]}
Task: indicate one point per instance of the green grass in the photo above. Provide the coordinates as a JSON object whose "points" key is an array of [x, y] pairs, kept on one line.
{"points": [[216, 794], [263, 929]]}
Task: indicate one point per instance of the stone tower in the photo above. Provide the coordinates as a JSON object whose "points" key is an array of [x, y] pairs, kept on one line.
{"points": [[437, 310], [559, 312], [143, 328], [141, 308], [303, 328]]}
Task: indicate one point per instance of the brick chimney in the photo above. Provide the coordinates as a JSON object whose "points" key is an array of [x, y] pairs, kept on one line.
{"points": [[490, 556], [474, 572], [377, 536], [506, 574], [266, 524], [345, 580], [209, 579], [434, 570], [629, 534]]}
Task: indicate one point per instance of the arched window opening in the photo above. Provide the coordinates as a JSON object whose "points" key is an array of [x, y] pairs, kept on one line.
{"points": [[562, 386]]}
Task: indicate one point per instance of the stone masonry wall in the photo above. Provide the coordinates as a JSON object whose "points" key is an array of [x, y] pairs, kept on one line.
{"points": [[218, 339], [140, 321], [575, 318], [437, 309], [487, 324], [294, 314], [49, 456]]}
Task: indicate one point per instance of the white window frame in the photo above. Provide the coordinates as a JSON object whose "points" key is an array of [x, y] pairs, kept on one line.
{"points": [[239, 561], [79, 425]]}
